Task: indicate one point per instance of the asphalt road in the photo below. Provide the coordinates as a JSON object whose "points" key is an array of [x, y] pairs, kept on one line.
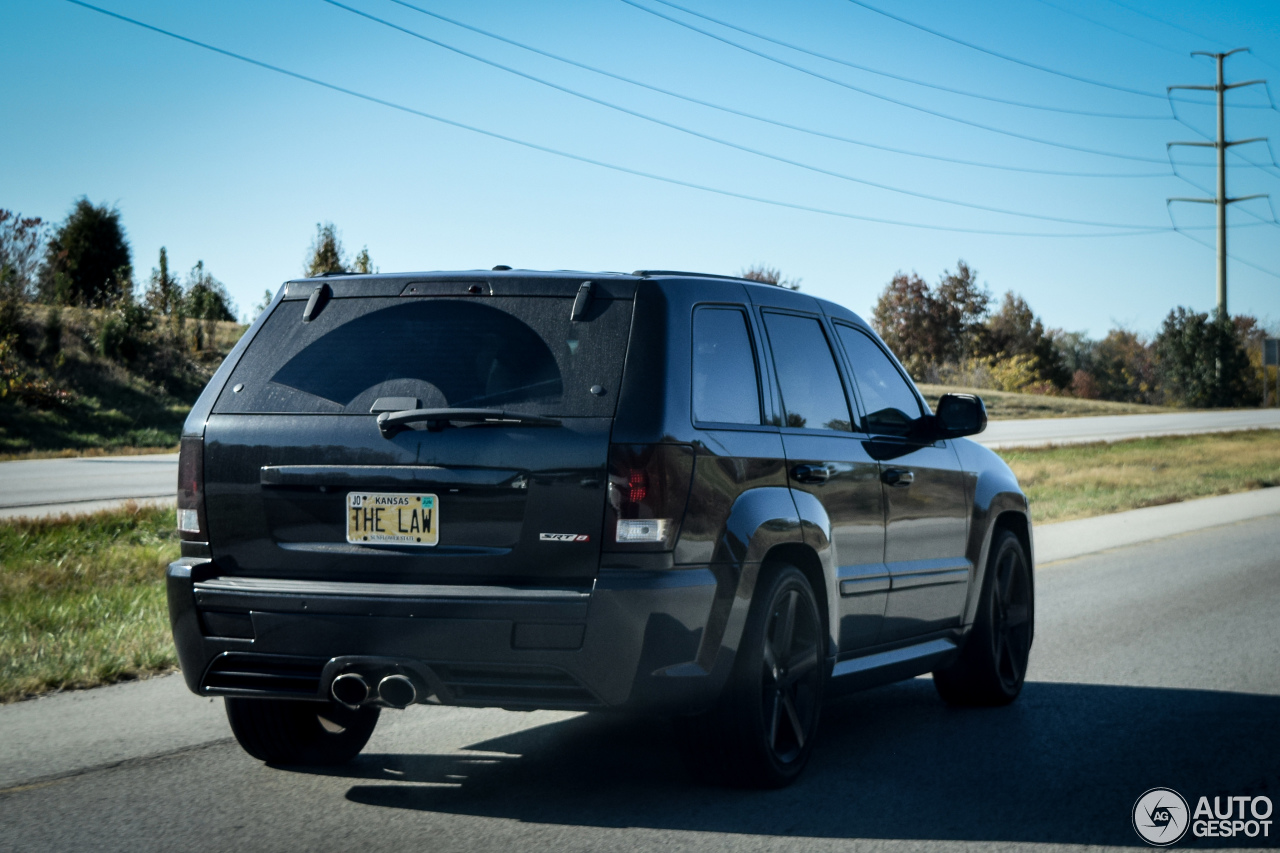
{"points": [[41, 486], [1154, 665], [1036, 432], [44, 486]]}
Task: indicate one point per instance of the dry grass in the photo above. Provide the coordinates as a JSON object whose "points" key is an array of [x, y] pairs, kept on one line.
{"points": [[114, 404], [82, 600], [1077, 481], [1005, 405]]}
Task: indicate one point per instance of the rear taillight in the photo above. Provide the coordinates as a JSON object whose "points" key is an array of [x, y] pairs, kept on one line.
{"points": [[648, 492], [191, 521]]}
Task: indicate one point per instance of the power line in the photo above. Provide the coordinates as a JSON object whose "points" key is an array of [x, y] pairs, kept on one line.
{"points": [[1163, 21], [888, 99], [1265, 168], [1235, 258], [765, 119], [726, 142], [1201, 37], [1073, 13], [854, 65], [1261, 220], [600, 163], [1064, 74]]}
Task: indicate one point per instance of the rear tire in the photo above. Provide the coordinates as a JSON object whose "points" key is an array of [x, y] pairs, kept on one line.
{"points": [[283, 731], [760, 734], [993, 663]]}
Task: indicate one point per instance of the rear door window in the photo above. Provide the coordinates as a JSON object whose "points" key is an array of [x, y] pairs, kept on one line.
{"points": [[891, 404], [812, 394], [517, 353], [726, 387]]}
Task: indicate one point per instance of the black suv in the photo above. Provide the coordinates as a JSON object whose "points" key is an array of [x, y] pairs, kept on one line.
{"points": [[664, 492]]}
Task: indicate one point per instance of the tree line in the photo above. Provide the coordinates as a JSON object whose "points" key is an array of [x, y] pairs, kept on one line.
{"points": [[85, 261], [954, 333], [73, 282]]}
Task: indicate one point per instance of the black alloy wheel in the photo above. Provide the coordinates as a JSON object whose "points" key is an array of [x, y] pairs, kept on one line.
{"points": [[761, 733], [993, 664], [790, 676], [1011, 619]]}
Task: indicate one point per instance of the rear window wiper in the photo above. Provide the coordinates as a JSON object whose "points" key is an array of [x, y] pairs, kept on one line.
{"points": [[389, 423]]}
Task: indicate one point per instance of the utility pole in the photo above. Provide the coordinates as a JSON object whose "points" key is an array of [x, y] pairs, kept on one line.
{"points": [[1222, 145]]}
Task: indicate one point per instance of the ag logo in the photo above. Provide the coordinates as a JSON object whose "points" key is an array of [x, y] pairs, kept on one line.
{"points": [[1160, 817]]}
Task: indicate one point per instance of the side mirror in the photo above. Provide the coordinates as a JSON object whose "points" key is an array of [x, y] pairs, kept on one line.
{"points": [[960, 415]]}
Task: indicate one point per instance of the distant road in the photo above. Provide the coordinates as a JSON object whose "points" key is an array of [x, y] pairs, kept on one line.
{"points": [[45, 486], [1037, 432]]}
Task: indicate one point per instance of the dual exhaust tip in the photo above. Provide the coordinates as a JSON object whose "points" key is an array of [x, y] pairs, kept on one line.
{"points": [[351, 689]]}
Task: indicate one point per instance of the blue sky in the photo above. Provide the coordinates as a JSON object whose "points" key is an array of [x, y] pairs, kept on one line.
{"points": [[234, 165]]}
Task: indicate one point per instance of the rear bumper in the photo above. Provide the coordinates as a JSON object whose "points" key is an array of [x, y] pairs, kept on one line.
{"points": [[654, 641]]}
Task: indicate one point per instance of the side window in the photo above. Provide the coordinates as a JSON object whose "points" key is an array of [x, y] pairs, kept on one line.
{"points": [[726, 388], [891, 404], [812, 394]]}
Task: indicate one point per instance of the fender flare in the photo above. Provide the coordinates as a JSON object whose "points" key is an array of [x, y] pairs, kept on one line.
{"points": [[986, 519], [759, 520]]}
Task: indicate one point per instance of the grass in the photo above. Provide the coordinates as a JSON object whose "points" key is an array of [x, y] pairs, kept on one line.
{"points": [[1006, 405], [95, 452], [82, 600], [1081, 480]]}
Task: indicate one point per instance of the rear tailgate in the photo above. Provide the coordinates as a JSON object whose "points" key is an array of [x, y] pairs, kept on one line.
{"points": [[292, 448]]}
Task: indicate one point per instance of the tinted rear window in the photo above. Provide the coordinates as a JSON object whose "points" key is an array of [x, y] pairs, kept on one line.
{"points": [[522, 354], [725, 387]]}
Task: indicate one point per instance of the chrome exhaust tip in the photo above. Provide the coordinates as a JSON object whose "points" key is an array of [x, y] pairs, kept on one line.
{"points": [[350, 689], [397, 691]]}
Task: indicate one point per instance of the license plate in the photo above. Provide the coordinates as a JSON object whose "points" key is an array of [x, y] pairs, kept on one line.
{"points": [[385, 518]]}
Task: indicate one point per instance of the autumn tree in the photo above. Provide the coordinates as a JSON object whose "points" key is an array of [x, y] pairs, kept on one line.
{"points": [[904, 318], [207, 302], [927, 327], [960, 306], [1124, 369], [164, 292], [206, 297], [20, 239], [325, 254], [362, 264], [1015, 330], [770, 275]]}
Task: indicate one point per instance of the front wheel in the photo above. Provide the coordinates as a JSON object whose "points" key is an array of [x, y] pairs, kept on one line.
{"points": [[993, 664], [283, 731], [761, 733]]}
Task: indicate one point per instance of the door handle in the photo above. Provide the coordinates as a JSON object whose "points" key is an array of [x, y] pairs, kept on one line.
{"points": [[898, 477], [811, 473]]}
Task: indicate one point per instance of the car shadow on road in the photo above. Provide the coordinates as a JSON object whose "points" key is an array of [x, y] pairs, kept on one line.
{"points": [[1064, 764]]}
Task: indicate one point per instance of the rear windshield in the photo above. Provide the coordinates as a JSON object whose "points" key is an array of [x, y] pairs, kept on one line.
{"points": [[521, 354]]}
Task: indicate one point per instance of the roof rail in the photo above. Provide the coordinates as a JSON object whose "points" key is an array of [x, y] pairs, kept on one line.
{"points": [[643, 273]]}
